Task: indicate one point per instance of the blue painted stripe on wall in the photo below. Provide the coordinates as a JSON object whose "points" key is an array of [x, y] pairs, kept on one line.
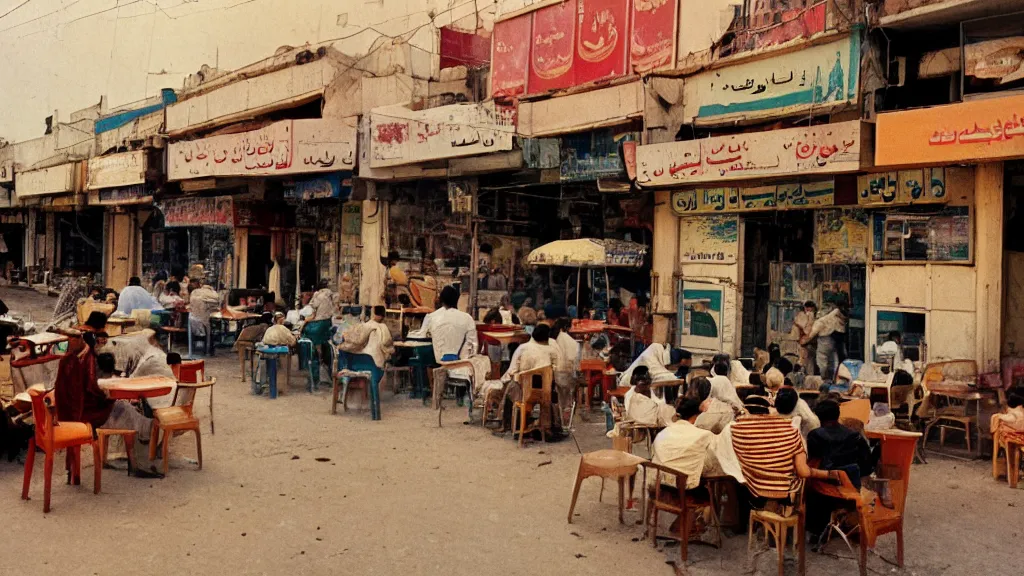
{"points": [[117, 120]]}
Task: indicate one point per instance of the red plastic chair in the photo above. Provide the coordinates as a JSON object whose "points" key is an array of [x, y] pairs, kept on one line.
{"points": [[593, 370], [193, 372], [52, 436]]}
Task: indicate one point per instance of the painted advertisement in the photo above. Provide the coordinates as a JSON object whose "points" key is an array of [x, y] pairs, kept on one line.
{"points": [[774, 197], [701, 308], [402, 136], [281, 148], [841, 236], [54, 180], [975, 131], [121, 195], [903, 187], [816, 78], [197, 212], [602, 40], [552, 48], [652, 44], [510, 57], [709, 239], [764, 24], [125, 169], [822, 149], [326, 187]]}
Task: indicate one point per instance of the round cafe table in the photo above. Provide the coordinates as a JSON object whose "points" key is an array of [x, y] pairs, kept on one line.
{"points": [[137, 388]]}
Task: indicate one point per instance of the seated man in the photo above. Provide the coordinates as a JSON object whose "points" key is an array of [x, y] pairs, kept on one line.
{"points": [[661, 361], [379, 344], [837, 447], [537, 353], [683, 446], [171, 296], [106, 366], [790, 405], [279, 334], [203, 301], [715, 414], [252, 335], [323, 302], [135, 297], [643, 407], [722, 386]]}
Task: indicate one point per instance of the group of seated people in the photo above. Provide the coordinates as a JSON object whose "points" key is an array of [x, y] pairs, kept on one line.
{"points": [[768, 447]]}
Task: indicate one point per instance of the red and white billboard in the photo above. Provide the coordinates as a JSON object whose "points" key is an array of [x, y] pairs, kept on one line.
{"points": [[510, 57], [652, 43], [602, 37], [553, 48]]}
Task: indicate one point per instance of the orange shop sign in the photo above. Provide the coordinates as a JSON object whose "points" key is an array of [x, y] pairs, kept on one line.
{"points": [[982, 130]]}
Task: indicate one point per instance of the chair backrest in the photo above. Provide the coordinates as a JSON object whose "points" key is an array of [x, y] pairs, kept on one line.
{"points": [[185, 393], [190, 371], [960, 370], [359, 363], [856, 410], [531, 394], [895, 463], [318, 331], [44, 414], [593, 365], [660, 472]]}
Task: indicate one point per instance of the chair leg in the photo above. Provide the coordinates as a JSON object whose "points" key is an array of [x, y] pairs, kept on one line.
{"points": [[622, 500], [575, 491], [780, 546], [995, 458], [1012, 464], [334, 398], [30, 461], [801, 542], [942, 436], [899, 545], [751, 537], [129, 448], [967, 434], [166, 452], [863, 561], [684, 530], [47, 481], [154, 439], [199, 448], [211, 411], [97, 464], [522, 426]]}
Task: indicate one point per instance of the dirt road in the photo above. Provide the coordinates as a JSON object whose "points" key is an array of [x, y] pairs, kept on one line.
{"points": [[288, 488]]}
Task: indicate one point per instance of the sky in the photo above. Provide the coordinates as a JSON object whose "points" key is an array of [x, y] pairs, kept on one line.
{"points": [[65, 54]]}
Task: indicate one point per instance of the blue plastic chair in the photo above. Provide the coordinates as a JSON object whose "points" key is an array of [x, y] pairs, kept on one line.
{"points": [[268, 361], [364, 363], [318, 333]]}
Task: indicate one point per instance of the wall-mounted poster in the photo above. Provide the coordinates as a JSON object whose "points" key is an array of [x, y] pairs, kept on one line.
{"points": [[709, 239], [701, 316]]}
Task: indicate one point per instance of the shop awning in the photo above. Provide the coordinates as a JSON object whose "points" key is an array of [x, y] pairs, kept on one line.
{"points": [[589, 253]]}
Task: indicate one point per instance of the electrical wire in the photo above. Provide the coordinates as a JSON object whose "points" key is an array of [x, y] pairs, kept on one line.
{"points": [[12, 10]]}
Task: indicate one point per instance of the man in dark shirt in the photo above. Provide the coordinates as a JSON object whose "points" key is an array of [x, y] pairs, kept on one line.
{"points": [[837, 447]]}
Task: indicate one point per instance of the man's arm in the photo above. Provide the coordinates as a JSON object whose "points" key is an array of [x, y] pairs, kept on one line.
{"points": [[803, 470], [472, 344]]}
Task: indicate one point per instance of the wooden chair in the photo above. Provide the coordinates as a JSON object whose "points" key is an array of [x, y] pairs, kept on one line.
{"points": [[532, 397], [777, 526], [661, 498], [193, 372], [51, 436], [610, 464], [955, 414], [178, 418], [178, 325]]}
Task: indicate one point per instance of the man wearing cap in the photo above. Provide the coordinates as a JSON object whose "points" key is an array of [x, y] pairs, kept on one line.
{"points": [[279, 334], [661, 361]]}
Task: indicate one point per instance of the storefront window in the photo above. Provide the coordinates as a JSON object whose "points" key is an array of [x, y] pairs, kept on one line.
{"points": [[909, 325], [928, 235]]}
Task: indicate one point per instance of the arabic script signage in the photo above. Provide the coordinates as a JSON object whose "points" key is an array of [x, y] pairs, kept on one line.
{"points": [[402, 136], [54, 180], [330, 186], [135, 194], [921, 186], [510, 58], [823, 149], [779, 197], [197, 212], [125, 169], [552, 48], [817, 77], [653, 41], [286, 147], [980, 130]]}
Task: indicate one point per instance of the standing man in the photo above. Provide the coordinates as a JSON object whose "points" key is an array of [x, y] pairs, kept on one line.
{"points": [[802, 326], [830, 331]]}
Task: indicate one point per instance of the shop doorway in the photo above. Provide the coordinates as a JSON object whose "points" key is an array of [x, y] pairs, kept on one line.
{"points": [[258, 262], [12, 250], [81, 241], [1013, 260]]}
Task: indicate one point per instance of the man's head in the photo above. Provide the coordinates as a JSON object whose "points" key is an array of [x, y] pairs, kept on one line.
{"points": [[173, 358], [392, 258], [700, 388], [193, 284], [774, 379], [173, 287], [279, 317], [106, 363], [101, 340], [786, 401], [449, 297], [542, 333], [896, 337], [678, 357], [721, 367], [378, 313], [1015, 401], [641, 380], [134, 281], [506, 302], [827, 411], [688, 410], [810, 307], [324, 283], [96, 320]]}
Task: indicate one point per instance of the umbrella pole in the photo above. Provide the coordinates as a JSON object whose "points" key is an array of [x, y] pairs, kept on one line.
{"points": [[579, 276]]}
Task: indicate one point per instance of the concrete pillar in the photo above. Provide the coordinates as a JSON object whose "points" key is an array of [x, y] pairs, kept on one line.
{"points": [[375, 245], [988, 258], [664, 262]]}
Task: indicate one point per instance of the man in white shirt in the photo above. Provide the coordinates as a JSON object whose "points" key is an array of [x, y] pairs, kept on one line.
{"points": [[682, 446], [644, 407], [722, 386], [452, 331], [661, 361], [135, 297], [322, 302], [537, 353], [830, 331], [379, 345]]}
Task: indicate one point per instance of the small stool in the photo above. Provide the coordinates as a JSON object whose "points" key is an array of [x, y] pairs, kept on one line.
{"points": [[268, 358], [606, 464]]}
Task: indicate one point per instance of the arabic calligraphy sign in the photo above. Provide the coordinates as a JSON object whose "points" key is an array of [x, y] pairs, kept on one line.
{"points": [[134, 194], [402, 136], [921, 186], [653, 40], [54, 180], [601, 40], [125, 169], [197, 212], [973, 131], [823, 149], [552, 47], [510, 58], [818, 77], [286, 147], [778, 197], [328, 186]]}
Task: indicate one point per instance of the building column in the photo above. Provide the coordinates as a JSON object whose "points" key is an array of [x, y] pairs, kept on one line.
{"points": [[664, 262], [375, 245], [988, 258]]}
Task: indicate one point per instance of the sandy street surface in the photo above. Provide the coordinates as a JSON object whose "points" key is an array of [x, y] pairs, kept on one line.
{"points": [[402, 496]]}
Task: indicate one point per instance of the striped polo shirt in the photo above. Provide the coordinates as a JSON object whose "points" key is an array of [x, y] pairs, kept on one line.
{"points": [[765, 447]]}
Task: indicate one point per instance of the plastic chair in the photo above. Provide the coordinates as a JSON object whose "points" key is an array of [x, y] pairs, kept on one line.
{"points": [[178, 419], [192, 372], [666, 499], [606, 464], [267, 358], [51, 436], [350, 366], [532, 397], [856, 410], [318, 333], [103, 443], [592, 371]]}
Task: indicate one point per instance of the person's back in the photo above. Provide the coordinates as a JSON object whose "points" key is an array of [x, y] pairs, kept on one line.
{"points": [[452, 331], [682, 446], [838, 447], [765, 447], [135, 297], [279, 334], [76, 391]]}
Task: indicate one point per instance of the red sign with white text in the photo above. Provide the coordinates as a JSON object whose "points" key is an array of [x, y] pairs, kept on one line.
{"points": [[552, 48], [602, 35], [653, 37], [510, 60]]}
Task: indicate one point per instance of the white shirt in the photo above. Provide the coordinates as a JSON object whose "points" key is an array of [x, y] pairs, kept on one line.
{"points": [[569, 353], [136, 298], [655, 358], [378, 345], [723, 389], [627, 400], [683, 447], [832, 322], [531, 356], [451, 332]]}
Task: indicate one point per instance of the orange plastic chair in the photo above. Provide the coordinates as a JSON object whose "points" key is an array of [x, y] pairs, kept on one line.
{"points": [[52, 436], [193, 372], [592, 370], [177, 419], [531, 397]]}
